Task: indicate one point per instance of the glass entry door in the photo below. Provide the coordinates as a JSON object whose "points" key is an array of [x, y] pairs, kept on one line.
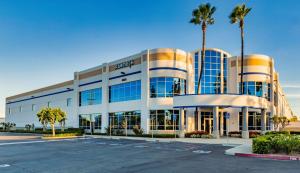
{"points": [[208, 125]]}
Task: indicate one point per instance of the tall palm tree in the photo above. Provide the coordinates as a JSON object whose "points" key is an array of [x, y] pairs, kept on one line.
{"points": [[203, 15], [238, 15]]}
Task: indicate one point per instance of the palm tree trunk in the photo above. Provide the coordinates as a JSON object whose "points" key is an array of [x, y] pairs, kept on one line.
{"points": [[202, 56], [242, 58], [202, 62]]}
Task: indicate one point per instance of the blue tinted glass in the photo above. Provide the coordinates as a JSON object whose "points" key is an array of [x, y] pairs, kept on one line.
{"points": [[167, 87], [127, 91], [213, 53], [90, 97], [207, 53]]}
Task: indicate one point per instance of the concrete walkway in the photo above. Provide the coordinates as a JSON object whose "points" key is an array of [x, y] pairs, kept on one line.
{"points": [[245, 149], [223, 141]]}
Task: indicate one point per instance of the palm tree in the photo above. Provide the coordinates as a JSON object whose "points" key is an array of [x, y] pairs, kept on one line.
{"points": [[238, 15], [203, 15]]}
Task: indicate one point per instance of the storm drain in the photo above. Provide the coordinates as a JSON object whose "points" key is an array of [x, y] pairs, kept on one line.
{"points": [[4, 165], [201, 152]]}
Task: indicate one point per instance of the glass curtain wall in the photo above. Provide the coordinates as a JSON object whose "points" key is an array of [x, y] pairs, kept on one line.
{"points": [[164, 119], [125, 91], [260, 89], [211, 80], [85, 121], [254, 121], [117, 120], [90, 97], [167, 87]]}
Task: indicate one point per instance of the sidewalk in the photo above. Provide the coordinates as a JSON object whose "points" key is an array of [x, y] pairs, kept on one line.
{"points": [[223, 141]]}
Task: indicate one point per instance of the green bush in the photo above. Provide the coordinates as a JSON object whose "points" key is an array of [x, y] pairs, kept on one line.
{"points": [[261, 145], [277, 132], [137, 131], [276, 143]]}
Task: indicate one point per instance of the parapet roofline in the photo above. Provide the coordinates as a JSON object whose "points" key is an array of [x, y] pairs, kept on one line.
{"points": [[55, 86]]}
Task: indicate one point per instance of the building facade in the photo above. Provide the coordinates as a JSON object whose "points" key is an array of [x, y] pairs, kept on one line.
{"points": [[156, 90]]}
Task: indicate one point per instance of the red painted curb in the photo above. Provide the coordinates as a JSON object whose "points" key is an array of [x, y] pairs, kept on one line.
{"points": [[268, 156]]}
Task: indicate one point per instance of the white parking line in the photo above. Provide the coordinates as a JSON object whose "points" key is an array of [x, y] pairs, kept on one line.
{"points": [[4, 165], [201, 152], [32, 142]]}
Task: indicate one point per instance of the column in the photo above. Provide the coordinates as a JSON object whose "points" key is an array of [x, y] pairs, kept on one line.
{"points": [[105, 101], [145, 112], [263, 121], [75, 105], [221, 124], [216, 133], [199, 120], [245, 132], [182, 125]]}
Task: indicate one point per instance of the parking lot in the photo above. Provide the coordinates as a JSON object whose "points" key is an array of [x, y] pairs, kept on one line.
{"points": [[111, 155]]}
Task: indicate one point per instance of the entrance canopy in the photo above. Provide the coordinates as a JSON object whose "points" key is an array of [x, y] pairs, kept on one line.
{"points": [[220, 100]]}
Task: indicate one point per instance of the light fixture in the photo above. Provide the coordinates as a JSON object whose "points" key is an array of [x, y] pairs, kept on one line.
{"points": [[123, 72]]}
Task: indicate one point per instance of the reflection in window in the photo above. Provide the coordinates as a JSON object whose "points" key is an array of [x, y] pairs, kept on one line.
{"points": [[260, 89], [254, 121], [117, 120], [211, 80], [167, 87], [164, 119], [86, 121], [125, 91], [90, 97]]}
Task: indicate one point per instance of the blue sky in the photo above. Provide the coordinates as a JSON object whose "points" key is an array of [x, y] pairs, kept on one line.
{"points": [[44, 42]]}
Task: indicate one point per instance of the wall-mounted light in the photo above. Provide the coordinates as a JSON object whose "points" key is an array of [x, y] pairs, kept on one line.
{"points": [[124, 79], [123, 72]]}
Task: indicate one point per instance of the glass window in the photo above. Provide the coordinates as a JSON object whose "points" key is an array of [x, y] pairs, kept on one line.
{"points": [[33, 107], [9, 111], [167, 87], [90, 97], [164, 119], [49, 104], [254, 121], [127, 91], [20, 109], [69, 102], [211, 79], [121, 120], [88, 121], [260, 89]]}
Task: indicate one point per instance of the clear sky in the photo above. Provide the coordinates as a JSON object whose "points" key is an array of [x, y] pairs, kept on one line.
{"points": [[44, 42]]}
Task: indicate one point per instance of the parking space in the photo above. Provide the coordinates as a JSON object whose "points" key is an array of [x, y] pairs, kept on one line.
{"points": [[112, 155]]}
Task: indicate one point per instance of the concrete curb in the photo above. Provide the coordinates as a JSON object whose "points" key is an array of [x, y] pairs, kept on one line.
{"points": [[269, 156]]}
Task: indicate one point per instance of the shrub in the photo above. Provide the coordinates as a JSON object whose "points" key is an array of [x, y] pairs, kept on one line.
{"points": [[195, 134], [261, 145], [119, 132], [277, 132], [254, 134], [235, 134], [276, 143], [137, 130], [109, 131]]}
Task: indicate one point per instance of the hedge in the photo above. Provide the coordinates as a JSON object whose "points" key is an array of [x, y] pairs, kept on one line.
{"points": [[276, 143]]}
